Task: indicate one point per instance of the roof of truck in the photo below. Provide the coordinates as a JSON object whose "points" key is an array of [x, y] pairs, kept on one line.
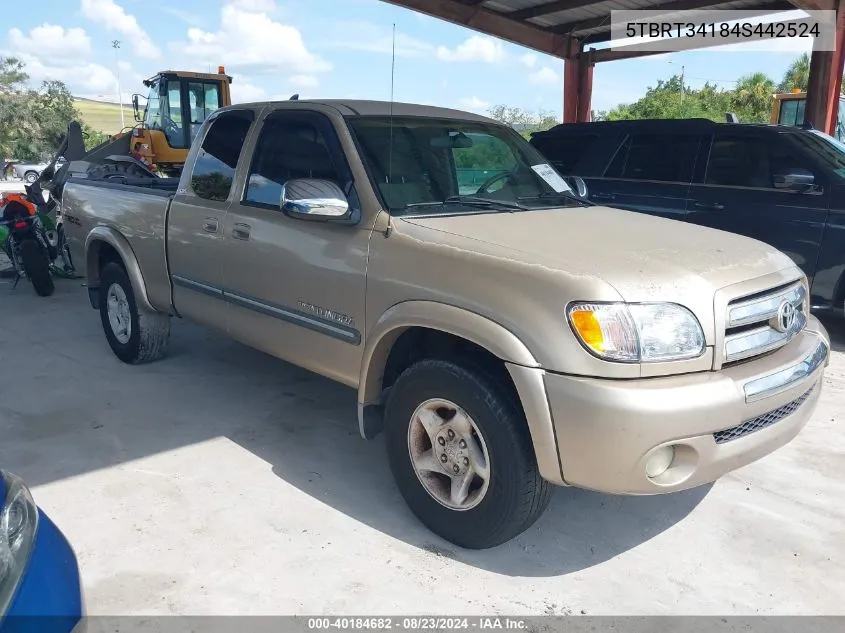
{"points": [[353, 107], [668, 125]]}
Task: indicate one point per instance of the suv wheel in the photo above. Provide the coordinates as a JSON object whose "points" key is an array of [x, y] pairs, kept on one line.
{"points": [[461, 455]]}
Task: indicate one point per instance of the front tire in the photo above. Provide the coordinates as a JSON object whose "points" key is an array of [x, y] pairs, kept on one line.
{"points": [[461, 455], [37, 267], [134, 335]]}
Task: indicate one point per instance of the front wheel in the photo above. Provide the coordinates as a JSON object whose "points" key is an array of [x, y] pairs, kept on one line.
{"points": [[461, 455], [134, 335], [36, 265]]}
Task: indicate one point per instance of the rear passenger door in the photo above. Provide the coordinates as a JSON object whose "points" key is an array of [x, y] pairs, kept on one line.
{"points": [[649, 173], [739, 194], [196, 219]]}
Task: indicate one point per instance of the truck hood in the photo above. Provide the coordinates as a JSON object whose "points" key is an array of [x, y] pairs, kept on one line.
{"points": [[643, 257]]}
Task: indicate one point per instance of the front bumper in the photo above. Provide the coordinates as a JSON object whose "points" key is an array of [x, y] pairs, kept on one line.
{"points": [[607, 430], [49, 598]]}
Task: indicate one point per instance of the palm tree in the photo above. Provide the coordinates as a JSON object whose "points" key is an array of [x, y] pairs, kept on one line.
{"points": [[797, 75], [752, 97]]}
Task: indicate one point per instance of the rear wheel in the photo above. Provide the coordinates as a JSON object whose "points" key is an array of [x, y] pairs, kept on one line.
{"points": [[37, 267], [30, 176], [117, 171], [134, 335], [461, 455]]}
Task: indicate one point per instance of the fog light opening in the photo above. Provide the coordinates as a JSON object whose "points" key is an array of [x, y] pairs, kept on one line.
{"points": [[660, 461]]}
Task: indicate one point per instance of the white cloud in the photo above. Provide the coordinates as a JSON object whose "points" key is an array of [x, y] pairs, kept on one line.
{"points": [[255, 6], [474, 49], [50, 40], [474, 104], [304, 81], [250, 41], [244, 91], [80, 77], [367, 37], [113, 18], [529, 60], [188, 17], [544, 76]]}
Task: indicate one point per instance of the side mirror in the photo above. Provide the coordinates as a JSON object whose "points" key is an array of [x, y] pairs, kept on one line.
{"points": [[795, 179], [314, 199], [578, 186]]}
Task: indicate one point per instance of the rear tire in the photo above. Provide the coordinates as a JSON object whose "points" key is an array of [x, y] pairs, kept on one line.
{"points": [[135, 335], [30, 176], [506, 496], [117, 172], [37, 267]]}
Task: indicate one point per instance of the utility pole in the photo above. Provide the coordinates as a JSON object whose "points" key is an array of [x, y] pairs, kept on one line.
{"points": [[116, 45], [682, 83]]}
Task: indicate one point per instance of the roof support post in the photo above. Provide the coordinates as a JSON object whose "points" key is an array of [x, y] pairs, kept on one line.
{"points": [[825, 80], [577, 87]]}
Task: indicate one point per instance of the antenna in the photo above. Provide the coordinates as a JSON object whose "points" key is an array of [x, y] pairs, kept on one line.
{"points": [[389, 228]]}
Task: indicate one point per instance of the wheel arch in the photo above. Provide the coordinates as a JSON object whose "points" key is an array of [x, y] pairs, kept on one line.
{"points": [[105, 243], [518, 366]]}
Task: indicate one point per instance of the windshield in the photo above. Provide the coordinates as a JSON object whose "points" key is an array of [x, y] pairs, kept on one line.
{"points": [[424, 165]]}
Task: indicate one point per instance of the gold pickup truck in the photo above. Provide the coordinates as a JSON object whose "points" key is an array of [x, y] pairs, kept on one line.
{"points": [[505, 334]]}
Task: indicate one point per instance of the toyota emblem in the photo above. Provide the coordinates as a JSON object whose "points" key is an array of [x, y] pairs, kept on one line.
{"points": [[786, 317]]}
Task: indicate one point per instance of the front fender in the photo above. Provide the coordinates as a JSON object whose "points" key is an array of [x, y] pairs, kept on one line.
{"points": [[102, 235], [524, 369]]}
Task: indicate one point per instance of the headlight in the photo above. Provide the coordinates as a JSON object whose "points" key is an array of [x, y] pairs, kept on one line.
{"points": [[18, 524], [637, 332]]}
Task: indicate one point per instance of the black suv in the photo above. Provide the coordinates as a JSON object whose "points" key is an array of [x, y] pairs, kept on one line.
{"points": [[781, 185]]}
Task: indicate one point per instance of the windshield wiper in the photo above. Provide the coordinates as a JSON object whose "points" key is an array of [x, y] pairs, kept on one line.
{"points": [[474, 201], [569, 195]]}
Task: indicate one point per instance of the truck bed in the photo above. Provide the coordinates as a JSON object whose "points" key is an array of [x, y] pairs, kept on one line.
{"points": [[155, 186], [135, 213]]}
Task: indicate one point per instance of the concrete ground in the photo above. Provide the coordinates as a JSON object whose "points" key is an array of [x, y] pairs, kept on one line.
{"points": [[222, 481]]}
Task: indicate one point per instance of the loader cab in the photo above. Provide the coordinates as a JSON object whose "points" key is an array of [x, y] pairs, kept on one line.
{"points": [[177, 105], [788, 109]]}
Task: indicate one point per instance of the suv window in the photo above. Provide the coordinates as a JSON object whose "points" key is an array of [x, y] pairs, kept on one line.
{"points": [[663, 157], [750, 161], [214, 169], [565, 151], [286, 150]]}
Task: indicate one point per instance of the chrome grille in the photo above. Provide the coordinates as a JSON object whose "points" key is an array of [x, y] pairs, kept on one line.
{"points": [[760, 323], [762, 421]]}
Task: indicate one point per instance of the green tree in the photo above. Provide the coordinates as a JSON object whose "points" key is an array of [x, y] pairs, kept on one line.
{"points": [[752, 98], [797, 75], [523, 121]]}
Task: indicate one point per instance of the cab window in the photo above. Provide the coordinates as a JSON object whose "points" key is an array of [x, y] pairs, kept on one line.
{"points": [[287, 149], [214, 169]]}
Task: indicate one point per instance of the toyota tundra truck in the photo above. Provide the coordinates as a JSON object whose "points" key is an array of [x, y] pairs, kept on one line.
{"points": [[505, 334]]}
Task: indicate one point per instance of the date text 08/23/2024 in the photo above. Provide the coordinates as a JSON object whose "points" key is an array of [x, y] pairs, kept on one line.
{"points": [[416, 623]]}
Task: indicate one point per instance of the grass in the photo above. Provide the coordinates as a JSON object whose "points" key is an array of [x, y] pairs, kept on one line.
{"points": [[103, 116]]}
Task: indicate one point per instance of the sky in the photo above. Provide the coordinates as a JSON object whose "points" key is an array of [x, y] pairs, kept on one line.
{"points": [[329, 49]]}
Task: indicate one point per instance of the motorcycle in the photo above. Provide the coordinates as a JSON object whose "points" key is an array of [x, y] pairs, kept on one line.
{"points": [[24, 240]]}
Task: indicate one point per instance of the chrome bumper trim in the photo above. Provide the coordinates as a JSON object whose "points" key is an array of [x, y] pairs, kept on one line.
{"points": [[779, 382]]}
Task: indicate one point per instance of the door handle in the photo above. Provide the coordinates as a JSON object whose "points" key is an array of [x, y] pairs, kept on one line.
{"points": [[603, 196], [718, 206], [241, 231], [210, 225]]}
